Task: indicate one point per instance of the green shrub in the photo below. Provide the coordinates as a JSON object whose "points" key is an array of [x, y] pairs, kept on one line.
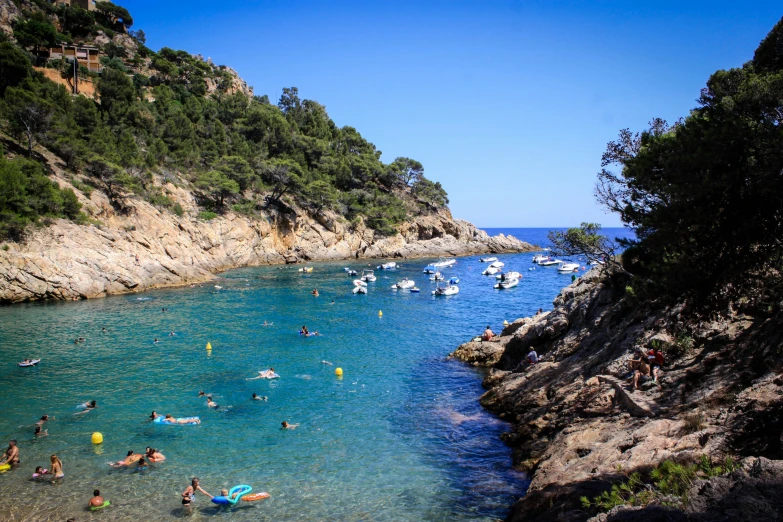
{"points": [[207, 216], [178, 210]]}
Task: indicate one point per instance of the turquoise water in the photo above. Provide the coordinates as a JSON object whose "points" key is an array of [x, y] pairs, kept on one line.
{"points": [[400, 437]]}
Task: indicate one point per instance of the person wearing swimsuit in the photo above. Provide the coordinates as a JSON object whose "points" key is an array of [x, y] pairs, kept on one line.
{"points": [[190, 493], [56, 467]]}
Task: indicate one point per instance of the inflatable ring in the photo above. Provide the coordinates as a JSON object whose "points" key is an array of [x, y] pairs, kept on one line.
{"points": [[106, 503], [256, 496], [236, 493]]}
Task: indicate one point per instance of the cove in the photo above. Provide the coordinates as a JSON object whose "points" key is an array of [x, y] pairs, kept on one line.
{"points": [[400, 437]]}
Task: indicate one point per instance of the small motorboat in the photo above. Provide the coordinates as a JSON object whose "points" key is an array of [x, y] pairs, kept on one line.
{"points": [[430, 269], [567, 268], [306, 269], [404, 284], [391, 265], [444, 263], [491, 270], [358, 289], [368, 276], [497, 264], [28, 363], [353, 273], [454, 281], [488, 259], [437, 277], [541, 257], [415, 290], [359, 282], [509, 275], [446, 290], [549, 261], [346, 269], [508, 283]]}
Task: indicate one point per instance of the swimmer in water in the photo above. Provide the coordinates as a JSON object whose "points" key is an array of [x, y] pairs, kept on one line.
{"points": [[172, 334], [171, 420], [258, 398], [156, 341], [141, 464], [40, 433], [266, 374], [286, 426], [190, 492], [103, 330], [40, 471], [154, 455], [127, 461], [327, 363], [201, 393], [56, 466], [315, 292], [96, 500], [211, 403], [332, 302], [154, 415], [88, 407], [44, 418]]}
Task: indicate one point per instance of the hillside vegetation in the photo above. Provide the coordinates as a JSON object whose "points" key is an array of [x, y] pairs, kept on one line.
{"points": [[171, 117]]}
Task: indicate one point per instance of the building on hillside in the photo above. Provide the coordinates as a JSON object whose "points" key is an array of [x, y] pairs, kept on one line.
{"points": [[84, 4], [88, 57]]}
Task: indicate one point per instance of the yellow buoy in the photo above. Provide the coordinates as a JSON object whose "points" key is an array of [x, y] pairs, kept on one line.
{"points": [[380, 313], [209, 346], [97, 438], [338, 372]]}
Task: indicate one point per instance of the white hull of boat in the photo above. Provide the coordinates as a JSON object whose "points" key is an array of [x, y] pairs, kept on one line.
{"points": [[508, 283], [488, 259], [360, 290], [567, 268], [491, 270], [447, 290], [28, 364]]}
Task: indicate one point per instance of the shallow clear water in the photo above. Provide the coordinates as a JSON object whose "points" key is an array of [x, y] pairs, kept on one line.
{"points": [[400, 437]]}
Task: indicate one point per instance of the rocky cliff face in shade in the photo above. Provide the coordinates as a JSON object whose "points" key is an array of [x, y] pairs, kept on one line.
{"points": [[69, 261], [578, 427]]}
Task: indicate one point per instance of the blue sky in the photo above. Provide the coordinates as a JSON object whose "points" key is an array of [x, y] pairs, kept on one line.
{"points": [[508, 104]]}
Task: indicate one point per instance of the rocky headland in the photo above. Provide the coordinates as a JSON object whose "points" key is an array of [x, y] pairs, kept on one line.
{"points": [[143, 246], [578, 428]]}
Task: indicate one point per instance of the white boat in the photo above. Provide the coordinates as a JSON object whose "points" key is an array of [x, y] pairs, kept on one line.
{"points": [[359, 282], [368, 276], [509, 275], [549, 261], [488, 259], [567, 268], [454, 281], [28, 363], [391, 265], [429, 269], [541, 257], [437, 277], [359, 289], [306, 269], [352, 272], [446, 290], [404, 284], [415, 290], [443, 262], [508, 283], [346, 269], [498, 264], [491, 270]]}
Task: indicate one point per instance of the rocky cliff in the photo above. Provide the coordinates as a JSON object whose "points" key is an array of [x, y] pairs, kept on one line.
{"points": [[579, 427], [70, 261]]}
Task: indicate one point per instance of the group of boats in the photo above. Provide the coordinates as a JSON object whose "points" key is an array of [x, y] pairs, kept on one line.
{"points": [[448, 288], [564, 267]]}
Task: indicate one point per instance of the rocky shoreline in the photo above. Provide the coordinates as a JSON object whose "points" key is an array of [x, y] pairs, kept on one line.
{"points": [[146, 247], [578, 428]]}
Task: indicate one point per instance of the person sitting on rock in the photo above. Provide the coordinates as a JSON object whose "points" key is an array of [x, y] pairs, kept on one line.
{"points": [[655, 359], [532, 357], [488, 334], [640, 367]]}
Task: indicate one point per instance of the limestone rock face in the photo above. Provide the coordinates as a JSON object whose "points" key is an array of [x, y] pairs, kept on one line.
{"points": [[9, 12], [69, 261]]}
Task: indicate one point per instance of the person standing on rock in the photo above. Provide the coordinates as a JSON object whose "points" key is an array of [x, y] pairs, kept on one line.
{"points": [[639, 366]]}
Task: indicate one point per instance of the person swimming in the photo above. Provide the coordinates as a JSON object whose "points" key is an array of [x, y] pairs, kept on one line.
{"points": [[201, 393], [156, 341], [211, 403], [304, 331], [96, 501], [141, 465], [286, 426], [266, 374], [258, 398], [40, 471], [44, 418], [154, 415], [154, 455], [128, 460], [40, 433], [88, 407], [168, 419]]}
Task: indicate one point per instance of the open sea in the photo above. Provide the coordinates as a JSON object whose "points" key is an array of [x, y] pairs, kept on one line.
{"points": [[400, 437]]}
